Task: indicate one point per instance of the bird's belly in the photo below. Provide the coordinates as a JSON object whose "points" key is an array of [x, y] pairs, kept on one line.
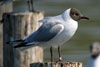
{"points": [[58, 40], [63, 37]]}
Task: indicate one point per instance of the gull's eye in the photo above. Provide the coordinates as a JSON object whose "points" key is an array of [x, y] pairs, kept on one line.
{"points": [[76, 14]]}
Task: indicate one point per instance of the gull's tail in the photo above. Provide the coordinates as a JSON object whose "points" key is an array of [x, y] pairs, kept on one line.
{"points": [[14, 41], [20, 43]]}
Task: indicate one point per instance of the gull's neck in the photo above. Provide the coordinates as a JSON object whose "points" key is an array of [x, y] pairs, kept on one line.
{"points": [[66, 15]]}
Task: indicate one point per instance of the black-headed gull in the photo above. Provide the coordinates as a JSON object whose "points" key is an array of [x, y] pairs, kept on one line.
{"points": [[54, 31], [94, 60]]}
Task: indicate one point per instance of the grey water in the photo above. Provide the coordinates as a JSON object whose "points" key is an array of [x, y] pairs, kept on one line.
{"points": [[76, 49]]}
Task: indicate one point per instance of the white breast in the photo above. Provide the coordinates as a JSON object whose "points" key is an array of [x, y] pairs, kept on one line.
{"points": [[71, 27], [97, 62]]}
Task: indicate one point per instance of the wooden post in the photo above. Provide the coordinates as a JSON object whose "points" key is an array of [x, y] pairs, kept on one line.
{"points": [[17, 26], [57, 64], [4, 8]]}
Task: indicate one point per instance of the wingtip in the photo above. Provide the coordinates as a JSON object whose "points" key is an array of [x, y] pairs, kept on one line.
{"points": [[7, 42], [15, 46], [20, 45]]}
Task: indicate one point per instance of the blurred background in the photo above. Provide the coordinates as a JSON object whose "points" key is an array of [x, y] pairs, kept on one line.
{"points": [[76, 49]]}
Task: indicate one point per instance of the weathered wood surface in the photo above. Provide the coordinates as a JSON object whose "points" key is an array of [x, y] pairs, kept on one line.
{"points": [[4, 8], [57, 64], [8, 7], [17, 26]]}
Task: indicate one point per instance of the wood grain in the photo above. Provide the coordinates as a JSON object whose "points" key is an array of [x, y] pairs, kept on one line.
{"points": [[17, 26]]}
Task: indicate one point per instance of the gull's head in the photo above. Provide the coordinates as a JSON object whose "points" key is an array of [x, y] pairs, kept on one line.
{"points": [[95, 49], [74, 14]]}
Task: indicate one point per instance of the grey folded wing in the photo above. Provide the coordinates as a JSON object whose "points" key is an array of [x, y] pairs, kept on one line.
{"points": [[45, 33]]}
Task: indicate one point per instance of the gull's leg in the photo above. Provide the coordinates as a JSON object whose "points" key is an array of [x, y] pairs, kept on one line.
{"points": [[51, 56], [32, 5], [29, 6], [59, 52]]}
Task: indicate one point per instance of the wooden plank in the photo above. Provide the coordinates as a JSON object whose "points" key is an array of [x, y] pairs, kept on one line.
{"points": [[17, 26], [57, 64]]}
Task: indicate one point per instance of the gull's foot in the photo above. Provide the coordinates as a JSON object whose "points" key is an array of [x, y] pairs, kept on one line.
{"points": [[60, 59]]}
